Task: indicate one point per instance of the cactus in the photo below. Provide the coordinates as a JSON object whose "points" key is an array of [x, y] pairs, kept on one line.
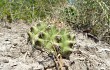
{"points": [[51, 38]]}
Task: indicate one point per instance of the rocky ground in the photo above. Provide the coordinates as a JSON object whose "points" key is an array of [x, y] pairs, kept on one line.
{"points": [[17, 54]]}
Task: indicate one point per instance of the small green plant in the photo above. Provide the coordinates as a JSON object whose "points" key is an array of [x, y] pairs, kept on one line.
{"points": [[51, 38], [57, 41]]}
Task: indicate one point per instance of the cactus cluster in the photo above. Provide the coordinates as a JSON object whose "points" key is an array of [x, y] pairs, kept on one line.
{"points": [[51, 38]]}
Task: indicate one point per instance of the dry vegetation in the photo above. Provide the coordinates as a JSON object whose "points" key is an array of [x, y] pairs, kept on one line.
{"points": [[80, 15]]}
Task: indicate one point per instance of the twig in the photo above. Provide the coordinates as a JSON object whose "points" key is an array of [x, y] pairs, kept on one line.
{"points": [[58, 61]]}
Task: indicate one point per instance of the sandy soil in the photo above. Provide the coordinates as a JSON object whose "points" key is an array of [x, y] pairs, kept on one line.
{"points": [[17, 54]]}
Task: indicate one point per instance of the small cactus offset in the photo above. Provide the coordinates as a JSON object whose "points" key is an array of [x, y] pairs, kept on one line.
{"points": [[51, 38]]}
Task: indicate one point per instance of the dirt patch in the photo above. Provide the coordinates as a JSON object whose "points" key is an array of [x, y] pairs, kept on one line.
{"points": [[17, 54]]}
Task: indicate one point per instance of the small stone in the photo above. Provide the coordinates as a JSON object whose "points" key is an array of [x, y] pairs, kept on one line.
{"points": [[23, 35], [15, 44], [5, 61], [6, 40], [48, 69]]}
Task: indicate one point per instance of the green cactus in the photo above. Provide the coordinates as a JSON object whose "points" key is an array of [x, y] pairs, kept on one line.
{"points": [[51, 38]]}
